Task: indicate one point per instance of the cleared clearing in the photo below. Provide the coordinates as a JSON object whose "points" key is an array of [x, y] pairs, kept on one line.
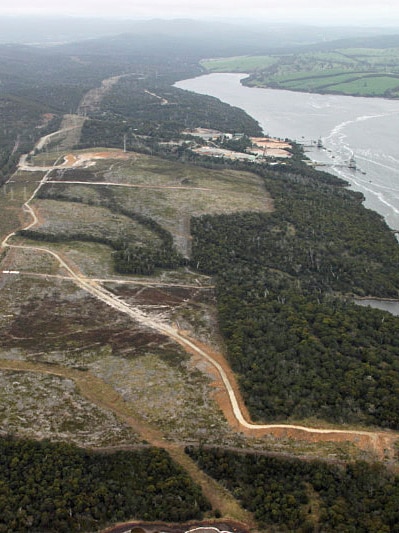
{"points": [[41, 406], [71, 218], [168, 192]]}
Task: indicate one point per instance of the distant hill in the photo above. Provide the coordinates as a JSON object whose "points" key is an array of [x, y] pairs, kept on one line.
{"points": [[256, 36]]}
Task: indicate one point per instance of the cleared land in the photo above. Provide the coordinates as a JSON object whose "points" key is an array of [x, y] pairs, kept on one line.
{"points": [[139, 356], [43, 406], [69, 327], [168, 192]]}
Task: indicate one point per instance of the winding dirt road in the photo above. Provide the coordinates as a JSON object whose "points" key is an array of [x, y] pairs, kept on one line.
{"points": [[379, 442], [128, 185]]}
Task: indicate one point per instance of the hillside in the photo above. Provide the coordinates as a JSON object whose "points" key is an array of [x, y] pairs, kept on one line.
{"points": [[184, 319]]}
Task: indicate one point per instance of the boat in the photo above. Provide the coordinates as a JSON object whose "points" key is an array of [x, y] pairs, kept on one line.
{"points": [[352, 163]]}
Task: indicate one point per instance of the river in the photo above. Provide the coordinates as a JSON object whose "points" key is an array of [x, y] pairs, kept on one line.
{"points": [[365, 128]]}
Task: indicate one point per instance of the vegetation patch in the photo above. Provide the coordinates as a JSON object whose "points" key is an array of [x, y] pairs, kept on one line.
{"points": [[40, 406], [304, 496], [64, 220], [87, 490], [66, 326], [27, 261]]}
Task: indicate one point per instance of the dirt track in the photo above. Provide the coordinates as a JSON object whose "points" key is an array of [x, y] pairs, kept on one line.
{"points": [[228, 395]]}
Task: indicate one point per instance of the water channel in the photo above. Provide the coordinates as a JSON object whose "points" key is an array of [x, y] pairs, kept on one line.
{"points": [[366, 129]]}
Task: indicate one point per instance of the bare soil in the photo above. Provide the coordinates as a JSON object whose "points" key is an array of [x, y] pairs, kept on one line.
{"points": [[55, 327]]}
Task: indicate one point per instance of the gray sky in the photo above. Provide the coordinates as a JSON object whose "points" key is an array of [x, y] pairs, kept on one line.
{"points": [[329, 12]]}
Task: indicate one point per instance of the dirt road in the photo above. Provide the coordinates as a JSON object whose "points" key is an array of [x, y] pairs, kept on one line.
{"points": [[92, 98], [381, 443]]}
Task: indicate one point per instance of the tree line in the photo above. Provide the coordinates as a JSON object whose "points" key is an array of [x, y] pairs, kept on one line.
{"points": [[59, 487], [307, 496], [300, 346]]}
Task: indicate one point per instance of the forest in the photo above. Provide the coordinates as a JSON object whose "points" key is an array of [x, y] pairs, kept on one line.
{"points": [[48, 486], [285, 280], [307, 496]]}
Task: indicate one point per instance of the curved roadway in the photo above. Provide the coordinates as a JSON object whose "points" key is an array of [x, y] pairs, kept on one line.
{"points": [[378, 440]]}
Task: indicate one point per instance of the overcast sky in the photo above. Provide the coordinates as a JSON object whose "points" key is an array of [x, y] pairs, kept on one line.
{"points": [[351, 12]]}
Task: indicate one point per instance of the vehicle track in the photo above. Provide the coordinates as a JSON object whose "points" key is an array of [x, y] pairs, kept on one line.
{"points": [[378, 442]]}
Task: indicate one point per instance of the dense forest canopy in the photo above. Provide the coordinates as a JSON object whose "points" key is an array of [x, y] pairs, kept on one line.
{"points": [[307, 496], [57, 487], [301, 349]]}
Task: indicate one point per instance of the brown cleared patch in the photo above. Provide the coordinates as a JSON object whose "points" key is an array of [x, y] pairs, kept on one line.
{"points": [[82, 159], [77, 323], [69, 160]]}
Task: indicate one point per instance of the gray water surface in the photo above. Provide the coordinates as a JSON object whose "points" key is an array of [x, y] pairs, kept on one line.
{"points": [[365, 128]]}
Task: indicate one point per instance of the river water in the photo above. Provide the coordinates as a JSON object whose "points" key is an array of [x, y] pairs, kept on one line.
{"points": [[365, 128]]}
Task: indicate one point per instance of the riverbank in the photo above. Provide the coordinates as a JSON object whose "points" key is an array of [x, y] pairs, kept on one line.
{"points": [[364, 128]]}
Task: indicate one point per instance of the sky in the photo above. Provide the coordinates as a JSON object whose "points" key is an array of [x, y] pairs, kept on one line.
{"points": [[325, 12]]}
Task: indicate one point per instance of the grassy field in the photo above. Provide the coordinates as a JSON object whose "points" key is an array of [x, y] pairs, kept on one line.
{"points": [[238, 64], [69, 329], [369, 86], [168, 192], [351, 71]]}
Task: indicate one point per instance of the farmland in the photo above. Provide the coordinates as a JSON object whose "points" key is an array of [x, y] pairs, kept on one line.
{"points": [[349, 71]]}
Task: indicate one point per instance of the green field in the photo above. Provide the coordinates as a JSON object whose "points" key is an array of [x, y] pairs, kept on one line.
{"points": [[350, 71], [238, 64], [369, 86]]}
